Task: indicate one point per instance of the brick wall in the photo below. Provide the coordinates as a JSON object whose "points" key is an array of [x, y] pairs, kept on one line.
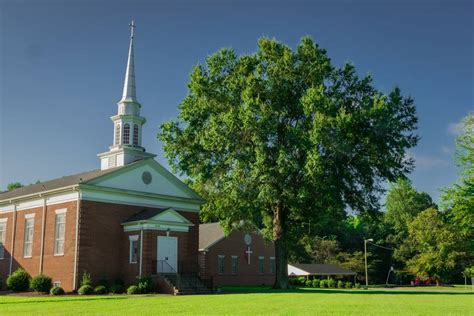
{"points": [[5, 263], [104, 247], [247, 274], [59, 268]]}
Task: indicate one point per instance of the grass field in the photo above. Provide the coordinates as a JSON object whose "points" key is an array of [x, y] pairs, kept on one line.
{"points": [[245, 301]]}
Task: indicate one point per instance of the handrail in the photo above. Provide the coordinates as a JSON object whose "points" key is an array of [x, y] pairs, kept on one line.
{"points": [[190, 280], [165, 267]]}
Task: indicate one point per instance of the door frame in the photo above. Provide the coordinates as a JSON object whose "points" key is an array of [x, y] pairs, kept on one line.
{"points": [[158, 250]]}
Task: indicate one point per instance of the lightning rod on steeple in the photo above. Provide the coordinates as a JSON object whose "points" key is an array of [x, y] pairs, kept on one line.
{"points": [[129, 89], [132, 29]]}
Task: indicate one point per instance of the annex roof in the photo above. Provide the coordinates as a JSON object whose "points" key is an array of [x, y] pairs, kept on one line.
{"points": [[298, 269], [210, 234]]}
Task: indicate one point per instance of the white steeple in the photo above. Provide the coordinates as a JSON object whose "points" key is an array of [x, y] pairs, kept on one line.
{"points": [[127, 140], [129, 88]]}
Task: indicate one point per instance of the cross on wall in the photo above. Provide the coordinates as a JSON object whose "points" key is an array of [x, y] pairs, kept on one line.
{"points": [[248, 252]]}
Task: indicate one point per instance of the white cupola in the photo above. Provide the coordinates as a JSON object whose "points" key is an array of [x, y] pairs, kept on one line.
{"points": [[127, 137]]}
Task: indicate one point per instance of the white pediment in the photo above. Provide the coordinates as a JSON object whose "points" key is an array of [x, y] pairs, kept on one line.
{"points": [[168, 220], [171, 216], [146, 176]]}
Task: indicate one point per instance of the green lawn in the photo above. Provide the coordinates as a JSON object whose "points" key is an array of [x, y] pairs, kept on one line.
{"points": [[302, 301]]}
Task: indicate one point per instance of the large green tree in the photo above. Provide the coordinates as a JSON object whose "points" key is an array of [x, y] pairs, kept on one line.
{"points": [[282, 136]]}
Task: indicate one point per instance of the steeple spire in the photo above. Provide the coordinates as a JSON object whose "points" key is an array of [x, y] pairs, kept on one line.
{"points": [[129, 90], [127, 137]]}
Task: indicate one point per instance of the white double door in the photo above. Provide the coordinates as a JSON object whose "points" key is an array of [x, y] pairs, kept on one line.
{"points": [[167, 254]]}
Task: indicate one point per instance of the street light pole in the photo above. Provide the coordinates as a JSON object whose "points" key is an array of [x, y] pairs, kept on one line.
{"points": [[365, 256]]}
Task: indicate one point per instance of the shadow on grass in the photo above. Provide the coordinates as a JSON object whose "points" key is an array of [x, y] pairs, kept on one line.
{"points": [[29, 300], [255, 290]]}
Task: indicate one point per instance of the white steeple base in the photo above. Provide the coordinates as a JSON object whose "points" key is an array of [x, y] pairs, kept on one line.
{"points": [[122, 156]]}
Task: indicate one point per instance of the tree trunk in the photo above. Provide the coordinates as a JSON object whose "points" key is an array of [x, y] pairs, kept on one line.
{"points": [[281, 247]]}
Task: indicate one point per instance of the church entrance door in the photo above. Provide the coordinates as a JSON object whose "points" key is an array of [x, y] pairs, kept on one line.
{"points": [[167, 254]]}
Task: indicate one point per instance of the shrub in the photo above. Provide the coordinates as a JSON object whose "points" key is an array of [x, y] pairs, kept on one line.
{"points": [[116, 289], [308, 283], [119, 281], [331, 283], [103, 281], [294, 281], [348, 285], [357, 285], [301, 280], [57, 290], [340, 284], [316, 283], [86, 279], [41, 283], [145, 284], [85, 290], [133, 289], [19, 280], [323, 284], [100, 290]]}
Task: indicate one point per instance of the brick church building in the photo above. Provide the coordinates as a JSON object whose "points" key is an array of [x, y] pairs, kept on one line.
{"points": [[130, 218], [240, 258]]}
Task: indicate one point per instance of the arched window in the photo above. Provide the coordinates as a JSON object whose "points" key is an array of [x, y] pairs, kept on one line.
{"points": [[135, 135], [126, 133], [117, 134]]}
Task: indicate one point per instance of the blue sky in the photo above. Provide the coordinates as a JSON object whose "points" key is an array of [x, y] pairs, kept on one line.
{"points": [[62, 66]]}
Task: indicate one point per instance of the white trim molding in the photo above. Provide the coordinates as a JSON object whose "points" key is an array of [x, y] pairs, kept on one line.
{"points": [[133, 237], [61, 211]]}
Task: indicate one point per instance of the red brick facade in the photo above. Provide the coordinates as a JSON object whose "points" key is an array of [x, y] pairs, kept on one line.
{"points": [[247, 274], [59, 268], [103, 246]]}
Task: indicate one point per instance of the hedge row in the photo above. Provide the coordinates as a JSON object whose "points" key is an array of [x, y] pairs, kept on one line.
{"points": [[325, 283]]}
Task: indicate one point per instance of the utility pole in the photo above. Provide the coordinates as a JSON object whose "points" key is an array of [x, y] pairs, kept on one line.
{"points": [[365, 255]]}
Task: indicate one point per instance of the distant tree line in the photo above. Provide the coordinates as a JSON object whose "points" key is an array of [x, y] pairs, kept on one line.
{"points": [[417, 237]]}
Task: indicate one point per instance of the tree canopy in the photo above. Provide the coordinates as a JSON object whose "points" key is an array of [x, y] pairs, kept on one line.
{"points": [[458, 200], [433, 244], [13, 186], [281, 136]]}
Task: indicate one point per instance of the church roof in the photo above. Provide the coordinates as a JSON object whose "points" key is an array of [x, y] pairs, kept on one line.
{"points": [[55, 183], [209, 234]]}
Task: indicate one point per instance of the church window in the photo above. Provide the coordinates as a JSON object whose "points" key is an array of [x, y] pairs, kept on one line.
{"points": [[233, 266], [3, 235], [117, 134], [261, 261], [135, 135], [28, 240], [220, 264], [59, 232], [133, 248], [272, 265], [126, 133]]}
